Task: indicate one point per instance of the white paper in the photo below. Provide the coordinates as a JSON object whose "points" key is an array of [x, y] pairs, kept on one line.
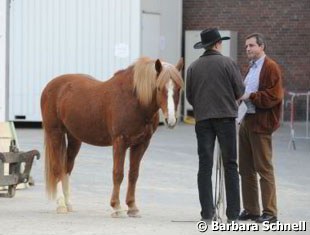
{"points": [[241, 112], [162, 43]]}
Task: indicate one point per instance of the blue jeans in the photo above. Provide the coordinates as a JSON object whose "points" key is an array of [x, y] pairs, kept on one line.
{"points": [[206, 132]]}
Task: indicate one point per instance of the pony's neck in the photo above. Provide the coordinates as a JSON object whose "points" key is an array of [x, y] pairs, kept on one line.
{"points": [[152, 108]]}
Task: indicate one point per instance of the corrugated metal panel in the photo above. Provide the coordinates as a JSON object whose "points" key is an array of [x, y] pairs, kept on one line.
{"points": [[3, 60], [53, 37]]}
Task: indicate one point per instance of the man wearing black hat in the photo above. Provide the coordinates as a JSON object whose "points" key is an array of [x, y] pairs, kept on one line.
{"points": [[213, 85]]}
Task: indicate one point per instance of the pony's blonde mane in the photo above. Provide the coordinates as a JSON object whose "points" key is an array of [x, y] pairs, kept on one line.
{"points": [[145, 82]]}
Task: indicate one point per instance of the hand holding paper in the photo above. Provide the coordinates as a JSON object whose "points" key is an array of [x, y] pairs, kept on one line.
{"points": [[241, 112], [245, 96]]}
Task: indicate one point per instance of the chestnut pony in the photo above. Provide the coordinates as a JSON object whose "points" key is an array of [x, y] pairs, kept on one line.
{"points": [[121, 112]]}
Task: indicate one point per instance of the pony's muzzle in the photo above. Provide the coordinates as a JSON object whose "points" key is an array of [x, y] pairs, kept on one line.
{"points": [[170, 123]]}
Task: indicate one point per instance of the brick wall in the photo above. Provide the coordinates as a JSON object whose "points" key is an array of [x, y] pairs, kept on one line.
{"points": [[285, 24]]}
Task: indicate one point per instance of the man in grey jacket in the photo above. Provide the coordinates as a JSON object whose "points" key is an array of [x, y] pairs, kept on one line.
{"points": [[213, 85]]}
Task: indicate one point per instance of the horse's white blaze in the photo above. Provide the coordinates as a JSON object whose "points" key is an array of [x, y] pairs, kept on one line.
{"points": [[171, 119]]}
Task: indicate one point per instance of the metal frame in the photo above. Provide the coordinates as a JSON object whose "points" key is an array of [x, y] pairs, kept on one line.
{"points": [[294, 95]]}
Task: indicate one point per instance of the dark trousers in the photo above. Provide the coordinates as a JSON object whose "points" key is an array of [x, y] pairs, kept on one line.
{"points": [[255, 158], [206, 132]]}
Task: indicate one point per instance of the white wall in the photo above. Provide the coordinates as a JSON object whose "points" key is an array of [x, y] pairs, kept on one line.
{"points": [[171, 30], [3, 62], [169, 40]]}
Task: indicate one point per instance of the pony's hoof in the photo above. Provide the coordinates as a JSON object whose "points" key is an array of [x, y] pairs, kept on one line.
{"points": [[69, 208], [61, 210], [118, 214], [134, 213]]}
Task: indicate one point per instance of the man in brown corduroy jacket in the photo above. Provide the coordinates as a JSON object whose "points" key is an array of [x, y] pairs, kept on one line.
{"points": [[263, 97]]}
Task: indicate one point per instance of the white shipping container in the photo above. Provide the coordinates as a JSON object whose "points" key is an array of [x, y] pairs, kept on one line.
{"points": [[98, 37]]}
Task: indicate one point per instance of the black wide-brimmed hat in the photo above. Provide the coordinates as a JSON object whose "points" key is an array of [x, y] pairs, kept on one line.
{"points": [[209, 37]]}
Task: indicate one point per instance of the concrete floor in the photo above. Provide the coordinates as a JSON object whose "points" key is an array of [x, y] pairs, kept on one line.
{"points": [[166, 189]]}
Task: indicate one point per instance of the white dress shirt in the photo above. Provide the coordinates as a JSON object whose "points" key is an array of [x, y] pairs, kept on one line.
{"points": [[251, 81]]}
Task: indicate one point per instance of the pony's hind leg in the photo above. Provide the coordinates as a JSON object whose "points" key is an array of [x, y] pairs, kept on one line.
{"points": [[72, 151], [60, 201], [66, 192], [55, 158], [119, 152], [63, 201], [136, 154]]}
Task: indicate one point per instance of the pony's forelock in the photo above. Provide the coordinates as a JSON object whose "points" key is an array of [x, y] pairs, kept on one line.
{"points": [[145, 82], [169, 72]]}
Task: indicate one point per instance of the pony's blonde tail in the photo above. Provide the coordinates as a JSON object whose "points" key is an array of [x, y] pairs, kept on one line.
{"points": [[55, 161]]}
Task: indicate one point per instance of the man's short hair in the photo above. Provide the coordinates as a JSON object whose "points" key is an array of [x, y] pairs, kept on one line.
{"points": [[260, 39]]}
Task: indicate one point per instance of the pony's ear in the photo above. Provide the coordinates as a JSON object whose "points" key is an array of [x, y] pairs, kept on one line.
{"points": [[180, 64], [158, 66]]}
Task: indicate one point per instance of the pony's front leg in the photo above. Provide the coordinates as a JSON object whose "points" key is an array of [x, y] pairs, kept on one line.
{"points": [[63, 196], [136, 154], [119, 152]]}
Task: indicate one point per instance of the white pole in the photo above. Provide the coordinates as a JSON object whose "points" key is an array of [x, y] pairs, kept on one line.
{"points": [[3, 60]]}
